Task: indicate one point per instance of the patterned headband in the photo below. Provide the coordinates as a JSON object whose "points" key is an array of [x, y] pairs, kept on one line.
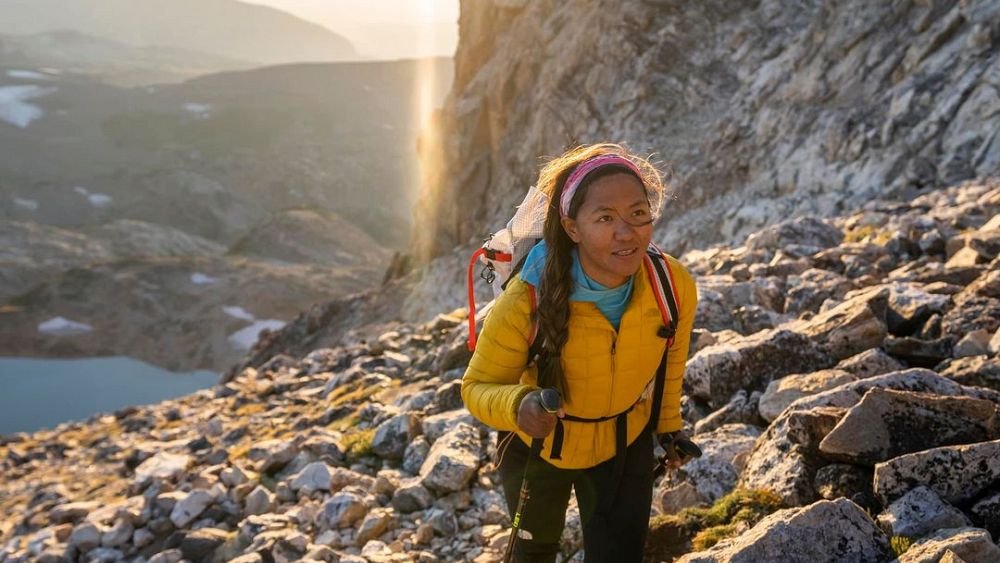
{"points": [[586, 167]]}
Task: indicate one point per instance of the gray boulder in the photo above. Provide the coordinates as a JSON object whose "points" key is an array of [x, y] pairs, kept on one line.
{"points": [[887, 423], [342, 509], [200, 545], [190, 507], [979, 371], [712, 475], [972, 545], [782, 392], [956, 473], [453, 460], [849, 481], [163, 466], [851, 327], [437, 425], [825, 531], [717, 372], [806, 230], [272, 455], [741, 409], [415, 454], [987, 511], [313, 477], [918, 513], [869, 363], [915, 379], [393, 435], [809, 289], [786, 457], [411, 496]]}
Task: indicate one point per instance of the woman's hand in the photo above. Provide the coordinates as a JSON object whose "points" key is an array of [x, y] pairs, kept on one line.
{"points": [[534, 420], [674, 460]]}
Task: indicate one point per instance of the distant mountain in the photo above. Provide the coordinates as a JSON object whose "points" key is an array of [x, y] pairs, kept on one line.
{"points": [[215, 155], [111, 62], [224, 28], [185, 205]]}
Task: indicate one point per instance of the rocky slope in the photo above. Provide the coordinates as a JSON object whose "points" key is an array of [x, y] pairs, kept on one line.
{"points": [[764, 110], [805, 380]]}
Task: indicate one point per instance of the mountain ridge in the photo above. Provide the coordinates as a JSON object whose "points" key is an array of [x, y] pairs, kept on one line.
{"points": [[229, 28]]}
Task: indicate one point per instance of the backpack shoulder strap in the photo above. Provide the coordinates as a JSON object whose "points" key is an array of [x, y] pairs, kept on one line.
{"points": [[661, 280]]}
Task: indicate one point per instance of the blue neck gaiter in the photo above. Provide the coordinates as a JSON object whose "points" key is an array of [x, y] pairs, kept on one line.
{"points": [[611, 302]]}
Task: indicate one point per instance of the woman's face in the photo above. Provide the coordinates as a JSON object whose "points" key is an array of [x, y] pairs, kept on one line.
{"points": [[612, 229]]}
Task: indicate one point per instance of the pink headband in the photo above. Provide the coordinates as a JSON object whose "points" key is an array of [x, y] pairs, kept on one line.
{"points": [[586, 167]]}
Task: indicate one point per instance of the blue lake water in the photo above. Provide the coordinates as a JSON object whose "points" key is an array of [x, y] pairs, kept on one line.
{"points": [[41, 393]]}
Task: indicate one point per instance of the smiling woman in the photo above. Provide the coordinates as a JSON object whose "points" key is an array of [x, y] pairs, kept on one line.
{"points": [[604, 374]]}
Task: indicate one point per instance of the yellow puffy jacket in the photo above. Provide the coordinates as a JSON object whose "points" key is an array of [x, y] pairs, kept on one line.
{"points": [[606, 370]]}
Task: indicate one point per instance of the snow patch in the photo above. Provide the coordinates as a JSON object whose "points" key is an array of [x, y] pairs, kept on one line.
{"points": [[14, 106], [245, 338], [61, 326], [80, 190], [199, 278], [238, 312], [29, 204], [27, 74], [99, 200], [201, 110]]}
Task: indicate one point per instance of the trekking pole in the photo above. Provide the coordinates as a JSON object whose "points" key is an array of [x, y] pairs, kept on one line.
{"points": [[683, 448], [549, 399]]}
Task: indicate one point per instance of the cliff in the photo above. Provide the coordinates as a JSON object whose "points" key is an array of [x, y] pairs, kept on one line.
{"points": [[764, 110]]}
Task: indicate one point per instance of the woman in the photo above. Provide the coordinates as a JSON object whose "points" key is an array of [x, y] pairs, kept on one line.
{"points": [[601, 338]]}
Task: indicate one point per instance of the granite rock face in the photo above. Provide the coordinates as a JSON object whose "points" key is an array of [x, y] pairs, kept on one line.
{"points": [[797, 110]]}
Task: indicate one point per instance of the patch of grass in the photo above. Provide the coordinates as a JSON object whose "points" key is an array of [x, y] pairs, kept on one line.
{"points": [[343, 424], [707, 526], [900, 544], [250, 409], [358, 444], [711, 536], [355, 396], [869, 233], [240, 451]]}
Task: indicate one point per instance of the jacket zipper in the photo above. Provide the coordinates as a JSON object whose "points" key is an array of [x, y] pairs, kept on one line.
{"points": [[614, 346]]}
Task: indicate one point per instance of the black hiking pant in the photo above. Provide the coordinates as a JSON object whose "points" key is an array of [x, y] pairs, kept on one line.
{"points": [[614, 515]]}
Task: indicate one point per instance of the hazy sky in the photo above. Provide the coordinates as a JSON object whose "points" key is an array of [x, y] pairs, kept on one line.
{"points": [[385, 29]]}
